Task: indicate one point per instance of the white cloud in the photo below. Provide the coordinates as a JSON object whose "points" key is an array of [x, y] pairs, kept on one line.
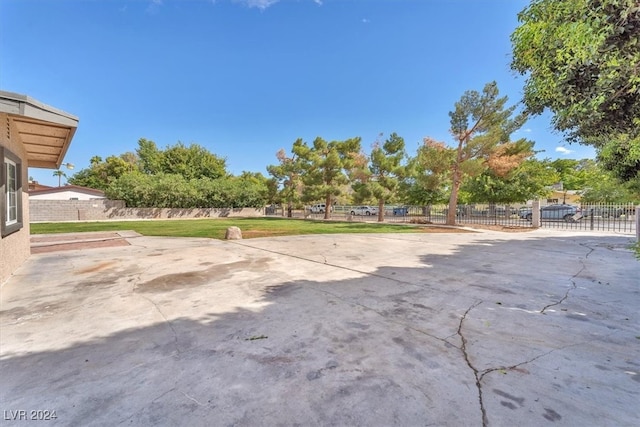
{"points": [[365, 21], [260, 4], [263, 4], [525, 130], [154, 5], [563, 150]]}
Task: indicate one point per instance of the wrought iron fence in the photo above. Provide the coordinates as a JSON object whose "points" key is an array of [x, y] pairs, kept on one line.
{"points": [[604, 217], [599, 217]]}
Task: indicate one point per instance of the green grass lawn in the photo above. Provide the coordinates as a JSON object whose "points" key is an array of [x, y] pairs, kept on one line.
{"points": [[216, 228]]}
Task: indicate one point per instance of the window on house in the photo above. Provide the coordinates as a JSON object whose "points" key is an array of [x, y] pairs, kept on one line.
{"points": [[11, 189]]}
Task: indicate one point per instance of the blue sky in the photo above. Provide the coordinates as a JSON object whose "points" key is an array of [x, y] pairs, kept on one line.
{"points": [[245, 78]]}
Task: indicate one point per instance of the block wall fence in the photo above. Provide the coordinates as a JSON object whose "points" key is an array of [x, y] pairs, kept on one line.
{"points": [[104, 209]]}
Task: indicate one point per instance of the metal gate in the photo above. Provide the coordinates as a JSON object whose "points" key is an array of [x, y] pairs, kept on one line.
{"points": [[620, 218]]}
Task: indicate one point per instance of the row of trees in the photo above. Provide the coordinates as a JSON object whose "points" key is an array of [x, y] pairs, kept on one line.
{"points": [[484, 165], [178, 177]]}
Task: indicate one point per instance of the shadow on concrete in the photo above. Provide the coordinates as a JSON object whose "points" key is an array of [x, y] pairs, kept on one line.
{"points": [[518, 332]]}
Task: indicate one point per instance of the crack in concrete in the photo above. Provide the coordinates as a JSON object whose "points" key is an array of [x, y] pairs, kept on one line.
{"points": [[561, 300], [192, 398], [573, 282], [517, 365], [480, 374], [167, 321], [477, 376], [134, 284]]}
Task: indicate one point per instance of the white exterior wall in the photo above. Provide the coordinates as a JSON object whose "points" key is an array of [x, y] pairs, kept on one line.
{"points": [[64, 195]]}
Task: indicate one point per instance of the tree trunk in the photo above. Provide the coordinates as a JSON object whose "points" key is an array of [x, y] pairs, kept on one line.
{"points": [[327, 207], [380, 210], [453, 202], [455, 183]]}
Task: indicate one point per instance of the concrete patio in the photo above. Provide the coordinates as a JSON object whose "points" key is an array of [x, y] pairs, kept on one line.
{"points": [[471, 329]]}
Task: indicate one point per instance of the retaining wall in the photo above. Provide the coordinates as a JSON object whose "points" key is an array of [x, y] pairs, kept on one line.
{"points": [[104, 209]]}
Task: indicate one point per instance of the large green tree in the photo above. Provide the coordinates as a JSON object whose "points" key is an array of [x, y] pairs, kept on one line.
{"points": [[163, 190], [382, 175], [593, 182], [530, 180], [326, 166], [100, 174], [190, 162], [482, 125], [605, 188], [572, 174], [581, 59], [287, 173], [177, 177], [428, 174], [193, 161]]}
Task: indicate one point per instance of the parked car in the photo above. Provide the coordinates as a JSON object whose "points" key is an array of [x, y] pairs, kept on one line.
{"points": [[524, 211], [364, 210], [557, 212], [461, 210], [499, 211], [401, 211], [603, 211], [320, 208]]}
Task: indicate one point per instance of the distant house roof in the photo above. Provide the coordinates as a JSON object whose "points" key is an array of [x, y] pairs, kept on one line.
{"points": [[35, 185], [45, 132], [65, 188]]}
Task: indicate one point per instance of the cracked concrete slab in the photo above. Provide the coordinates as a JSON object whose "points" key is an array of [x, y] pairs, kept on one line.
{"points": [[485, 329]]}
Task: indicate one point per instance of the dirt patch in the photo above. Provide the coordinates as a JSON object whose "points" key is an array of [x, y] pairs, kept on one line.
{"points": [[437, 229], [97, 267], [505, 228], [55, 247], [261, 233], [67, 237]]}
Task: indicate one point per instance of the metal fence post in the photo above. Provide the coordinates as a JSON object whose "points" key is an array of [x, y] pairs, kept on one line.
{"points": [[638, 222]]}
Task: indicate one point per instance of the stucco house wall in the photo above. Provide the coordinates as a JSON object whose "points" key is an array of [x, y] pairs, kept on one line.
{"points": [[14, 248], [32, 134], [569, 197]]}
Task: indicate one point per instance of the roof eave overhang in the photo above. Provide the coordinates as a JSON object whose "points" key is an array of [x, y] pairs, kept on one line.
{"points": [[45, 132]]}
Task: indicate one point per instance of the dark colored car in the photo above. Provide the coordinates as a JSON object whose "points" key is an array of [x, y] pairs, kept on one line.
{"points": [[553, 212], [603, 211], [401, 211]]}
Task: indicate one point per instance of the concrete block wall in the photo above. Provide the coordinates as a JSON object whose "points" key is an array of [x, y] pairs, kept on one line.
{"points": [[104, 209], [71, 210]]}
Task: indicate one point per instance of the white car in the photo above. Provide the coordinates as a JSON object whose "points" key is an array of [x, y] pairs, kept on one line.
{"points": [[320, 208], [364, 210]]}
